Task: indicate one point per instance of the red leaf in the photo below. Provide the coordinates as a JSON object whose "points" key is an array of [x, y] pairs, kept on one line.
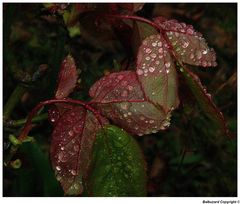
{"points": [[67, 78], [119, 97], [191, 48], [71, 146], [156, 72]]}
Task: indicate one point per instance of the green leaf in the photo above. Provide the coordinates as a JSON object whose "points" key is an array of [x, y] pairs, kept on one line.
{"points": [[204, 100], [118, 167]]}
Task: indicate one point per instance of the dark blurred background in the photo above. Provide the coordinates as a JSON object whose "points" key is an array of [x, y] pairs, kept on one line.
{"points": [[189, 159]]}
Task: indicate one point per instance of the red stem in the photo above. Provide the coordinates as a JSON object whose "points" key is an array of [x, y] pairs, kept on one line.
{"points": [[28, 125]]}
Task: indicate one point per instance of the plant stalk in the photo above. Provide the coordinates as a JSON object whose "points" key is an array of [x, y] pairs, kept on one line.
{"points": [[13, 101]]}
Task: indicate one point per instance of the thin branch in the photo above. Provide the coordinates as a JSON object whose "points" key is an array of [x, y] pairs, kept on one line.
{"points": [[28, 124], [17, 123], [13, 101]]}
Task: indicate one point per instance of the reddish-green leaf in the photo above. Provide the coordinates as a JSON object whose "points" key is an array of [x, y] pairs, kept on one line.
{"points": [[204, 100], [71, 147], [67, 78], [189, 45], [156, 72], [119, 97]]}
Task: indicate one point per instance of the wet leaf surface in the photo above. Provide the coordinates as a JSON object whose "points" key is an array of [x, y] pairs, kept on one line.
{"points": [[119, 97], [118, 167], [71, 146], [156, 72], [189, 45]]}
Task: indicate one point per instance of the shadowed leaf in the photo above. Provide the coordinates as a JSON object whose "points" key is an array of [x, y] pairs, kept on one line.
{"points": [[204, 100], [118, 167]]}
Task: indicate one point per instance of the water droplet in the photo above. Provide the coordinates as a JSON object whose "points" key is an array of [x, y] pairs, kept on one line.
{"points": [[62, 148], [124, 83], [125, 115], [130, 88], [151, 69], [182, 30], [124, 93], [191, 56], [129, 113], [71, 133], [58, 177], [160, 50], [62, 157], [153, 55], [159, 44], [204, 63], [167, 64], [167, 71], [139, 72], [73, 172], [151, 121], [153, 93], [154, 44], [58, 168], [205, 51], [199, 54], [53, 120], [157, 62], [120, 77], [190, 31], [185, 44], [145, 70], [148, 50], [147, 58]]}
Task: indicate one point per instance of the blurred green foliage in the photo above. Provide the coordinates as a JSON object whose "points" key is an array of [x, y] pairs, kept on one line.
{"points": [[191, 158]]}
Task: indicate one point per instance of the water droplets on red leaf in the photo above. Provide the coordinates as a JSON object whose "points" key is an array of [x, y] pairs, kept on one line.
{"points": [[189, 45], [71, 146], [119, 97]]}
